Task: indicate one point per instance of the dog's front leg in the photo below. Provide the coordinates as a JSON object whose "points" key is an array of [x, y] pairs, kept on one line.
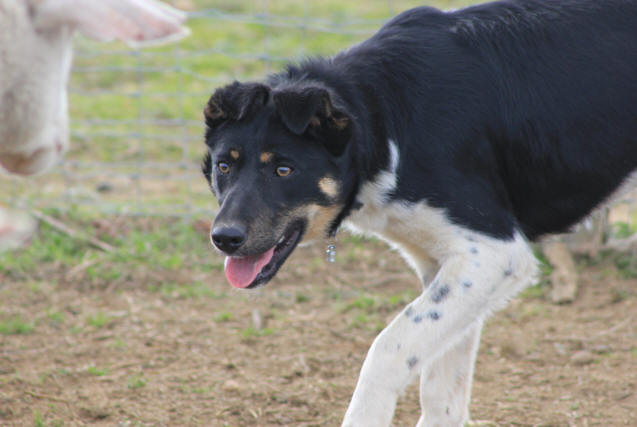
{"points": [[445, 385], [474, 279]]}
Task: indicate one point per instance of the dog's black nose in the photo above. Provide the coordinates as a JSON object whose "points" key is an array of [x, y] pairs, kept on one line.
{"points": [[228, 239]]}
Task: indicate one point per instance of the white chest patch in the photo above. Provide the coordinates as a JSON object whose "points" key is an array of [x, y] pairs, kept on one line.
{"points": [[423, 234]]}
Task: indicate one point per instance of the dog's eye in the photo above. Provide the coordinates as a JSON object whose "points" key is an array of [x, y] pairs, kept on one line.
{"points": [[283, 170], [223, 167]]}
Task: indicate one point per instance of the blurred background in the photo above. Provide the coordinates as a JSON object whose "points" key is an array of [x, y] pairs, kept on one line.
{"points": [[118, 312], [136, 115]]}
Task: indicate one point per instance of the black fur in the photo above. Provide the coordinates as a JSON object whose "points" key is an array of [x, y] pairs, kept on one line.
{"points": [[513, 115]]}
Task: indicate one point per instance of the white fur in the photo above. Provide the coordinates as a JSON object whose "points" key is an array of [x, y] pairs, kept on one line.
{"points": [[437, 335], [15, 229], [35, 62]]}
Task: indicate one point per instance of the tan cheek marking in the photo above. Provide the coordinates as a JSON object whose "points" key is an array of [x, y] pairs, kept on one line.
{"points": [[265, 157], [319, 218], [328, 186], [234, 154]]}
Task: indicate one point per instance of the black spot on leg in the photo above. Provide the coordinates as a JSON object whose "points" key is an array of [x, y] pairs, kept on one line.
{"points": [[408, 311], [467, 284], [509, 270], [434, 315], [418, 318], [473, 250], [439, 294], [411, 362]]}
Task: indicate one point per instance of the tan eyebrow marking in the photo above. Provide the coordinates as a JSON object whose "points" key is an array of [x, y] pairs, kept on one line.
{"points": [[328, 186], [265, 157], [234, 154]]}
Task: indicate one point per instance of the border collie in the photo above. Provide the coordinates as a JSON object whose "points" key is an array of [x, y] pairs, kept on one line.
{"points": [[457, 137]]}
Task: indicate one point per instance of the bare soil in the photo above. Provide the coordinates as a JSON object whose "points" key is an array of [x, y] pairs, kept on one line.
{"points": [[290, 354]]}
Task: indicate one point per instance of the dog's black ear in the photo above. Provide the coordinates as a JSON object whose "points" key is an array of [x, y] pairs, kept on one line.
{"points": [[235, 102], [311, 110], [206, 167]]}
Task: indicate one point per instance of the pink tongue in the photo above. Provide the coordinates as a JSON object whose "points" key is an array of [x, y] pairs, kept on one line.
{"points": [[241, 271]]}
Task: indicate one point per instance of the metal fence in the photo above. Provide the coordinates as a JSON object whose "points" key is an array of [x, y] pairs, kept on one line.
{"points": [[136, 115]]}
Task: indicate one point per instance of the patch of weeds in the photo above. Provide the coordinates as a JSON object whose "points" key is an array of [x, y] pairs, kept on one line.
{"points": [[224, 316], [118, 344], [252, 332], [622, 230], [38, 421], [55, 317], [103, 272], [336, 295], [99, 320], [535, 292], [363, 302], [52, 247], [16, 326], [545, 267], [300, 298], [626, 264], [400, 299], [359, 320], [136, 382], [194, 290], [97, 372], [379, 326], [35, 288]]}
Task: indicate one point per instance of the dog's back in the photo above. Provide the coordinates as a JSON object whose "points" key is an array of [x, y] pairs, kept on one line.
{"points": [[525, 111]]}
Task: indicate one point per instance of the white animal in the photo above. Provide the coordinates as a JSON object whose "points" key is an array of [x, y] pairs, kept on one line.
{"points": [[35, 61]]}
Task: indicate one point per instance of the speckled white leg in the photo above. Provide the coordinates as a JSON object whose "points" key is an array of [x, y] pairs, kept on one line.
{"points": [[445, 385], [471, 283]]}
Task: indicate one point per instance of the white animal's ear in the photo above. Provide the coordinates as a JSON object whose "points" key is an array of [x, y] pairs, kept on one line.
{"points": [[135, 22]]}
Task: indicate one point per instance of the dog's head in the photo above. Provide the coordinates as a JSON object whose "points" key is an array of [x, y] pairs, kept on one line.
{"points": [[278, 164]]}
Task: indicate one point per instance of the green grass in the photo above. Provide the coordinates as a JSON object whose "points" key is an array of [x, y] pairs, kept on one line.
{"points": [[16, 326], [232, 42], [252, 332], [55, 317], [98, 320], [98, 372], [136, 382], [192, 290], [363, 302], [224, 316], [170, 245], [38, 421]]}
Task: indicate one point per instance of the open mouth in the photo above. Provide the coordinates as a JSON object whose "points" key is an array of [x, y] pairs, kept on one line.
{"points": [[256, 270]]}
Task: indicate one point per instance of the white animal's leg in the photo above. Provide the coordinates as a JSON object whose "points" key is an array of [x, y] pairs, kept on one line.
{"points": [[474, 279], [445, 385]]}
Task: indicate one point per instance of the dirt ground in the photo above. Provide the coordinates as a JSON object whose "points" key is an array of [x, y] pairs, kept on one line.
{"points": [[290, 354]]}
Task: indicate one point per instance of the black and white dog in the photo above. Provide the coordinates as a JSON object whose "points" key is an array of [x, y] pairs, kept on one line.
{"points": [[457, 137]]}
